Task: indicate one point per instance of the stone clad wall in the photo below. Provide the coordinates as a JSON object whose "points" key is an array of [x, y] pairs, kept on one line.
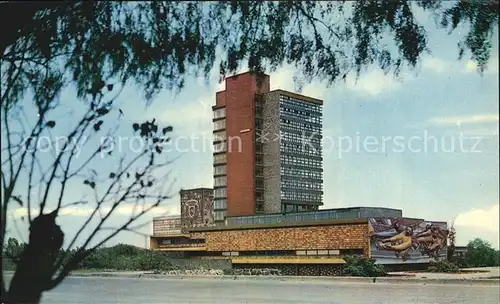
{"points": [[294, 270], [347, 236], [271, 152]]}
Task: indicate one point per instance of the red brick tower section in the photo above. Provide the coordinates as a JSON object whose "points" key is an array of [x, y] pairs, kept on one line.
{"points": [[239, 101]]}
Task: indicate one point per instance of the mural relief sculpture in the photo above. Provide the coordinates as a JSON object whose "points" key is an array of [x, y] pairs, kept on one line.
{"points": [[208, 211], [197, 208], [405, 240], [400, 243]]}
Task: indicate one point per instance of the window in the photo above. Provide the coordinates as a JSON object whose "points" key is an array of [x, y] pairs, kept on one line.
{"points": [[220, 113], [220, 158], [219, 124], [220, 147], [220, 181], [220, 215], [220, 193], [220, 204], [259, 172], [220, 136], [259, 160], [220, 170], [259, 183]]}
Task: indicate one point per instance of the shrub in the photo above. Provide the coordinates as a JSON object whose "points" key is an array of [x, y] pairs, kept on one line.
{"points": [[360, 266], [153, 261], [443, 266]]}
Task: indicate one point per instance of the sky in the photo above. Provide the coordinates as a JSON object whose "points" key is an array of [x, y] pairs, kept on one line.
{"points": [[427, 143]]}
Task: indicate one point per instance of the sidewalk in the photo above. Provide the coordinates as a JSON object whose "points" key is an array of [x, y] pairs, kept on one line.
{"points": [[486, 276], [465, 274]]}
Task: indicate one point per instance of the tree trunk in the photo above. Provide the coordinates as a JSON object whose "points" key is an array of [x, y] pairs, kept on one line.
{"points": [[35, 267]]}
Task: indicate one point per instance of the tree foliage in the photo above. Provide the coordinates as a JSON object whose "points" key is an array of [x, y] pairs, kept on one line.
{"points": [[118, 257], [479, 253], [158, 43], [100, 47]]}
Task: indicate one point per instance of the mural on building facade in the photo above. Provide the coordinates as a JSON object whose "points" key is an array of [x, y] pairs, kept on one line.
{"points": [[407, 240], [197, 208]]}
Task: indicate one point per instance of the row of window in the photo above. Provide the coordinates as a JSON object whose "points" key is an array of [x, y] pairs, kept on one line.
{"points": [[301, 115], [323, 252], [298, 124], [301, 184], [315, 108], [299, 136], [220, 193], [298, 110], [305, 144], [219, 124], [220, 181], [304, 149], [300, 173], [301, 196], [288, 159], [220, 113], [291, 208], [220, 204], [298, 133], [220, 170]]}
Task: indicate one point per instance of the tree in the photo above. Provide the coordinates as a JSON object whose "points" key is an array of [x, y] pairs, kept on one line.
{"points": [[99, 47], [12, 251], [452, 236], [480, 254]]}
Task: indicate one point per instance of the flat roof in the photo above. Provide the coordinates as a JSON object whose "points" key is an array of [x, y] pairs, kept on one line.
{"points": [[299, 96], [181, 249], [349, 221], [197, 189], [338, 216], [319, 211], [167, 217]]}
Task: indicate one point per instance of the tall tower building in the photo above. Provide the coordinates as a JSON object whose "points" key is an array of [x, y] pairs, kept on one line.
{"points": [[267, 149]]}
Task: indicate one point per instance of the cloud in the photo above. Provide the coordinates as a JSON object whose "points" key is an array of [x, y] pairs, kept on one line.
{"points": [[486, 219], [483, 132], [125, 209], [460, 120], [373, 83], [491, 68], [437, 65], [283, 79], [189, 117]]}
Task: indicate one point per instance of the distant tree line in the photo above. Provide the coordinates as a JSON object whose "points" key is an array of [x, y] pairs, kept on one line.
{"points": [[479, 253], [127, 257], [118, 257]]}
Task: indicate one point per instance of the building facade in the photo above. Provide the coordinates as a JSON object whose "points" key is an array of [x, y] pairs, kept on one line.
{"points": [[293, 163], [267, 149], [314, 243], [167, 225]]}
